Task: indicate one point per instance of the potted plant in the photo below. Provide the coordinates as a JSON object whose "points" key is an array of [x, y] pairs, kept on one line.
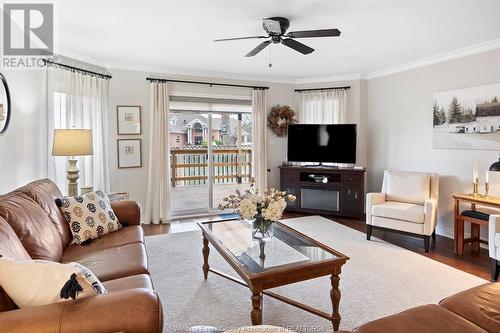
{"points": [[261, 208]]}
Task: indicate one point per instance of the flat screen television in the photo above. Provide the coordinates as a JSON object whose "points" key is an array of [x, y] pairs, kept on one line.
{"points": [[322, 143]]}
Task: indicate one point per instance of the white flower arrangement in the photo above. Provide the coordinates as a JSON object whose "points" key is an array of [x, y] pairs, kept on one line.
{"points": [[264, 208]]}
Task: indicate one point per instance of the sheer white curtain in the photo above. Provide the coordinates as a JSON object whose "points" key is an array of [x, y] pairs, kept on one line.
{"points": [[259, 105], [322, 106], [158, 196], [77, 100]]}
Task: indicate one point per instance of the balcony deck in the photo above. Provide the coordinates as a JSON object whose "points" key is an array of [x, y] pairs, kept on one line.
{"points": [[189, 197]]}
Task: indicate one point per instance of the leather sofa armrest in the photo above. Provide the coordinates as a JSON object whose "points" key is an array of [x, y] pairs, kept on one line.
{"points": [[128, 212], [493, 229], [132, 311], [371, 200]]}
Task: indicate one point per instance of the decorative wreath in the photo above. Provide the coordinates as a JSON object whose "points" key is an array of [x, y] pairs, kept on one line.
{"points": [[280, 117]]}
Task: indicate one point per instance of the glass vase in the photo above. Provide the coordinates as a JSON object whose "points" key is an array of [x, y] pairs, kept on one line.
{"points": [[262, 229]]}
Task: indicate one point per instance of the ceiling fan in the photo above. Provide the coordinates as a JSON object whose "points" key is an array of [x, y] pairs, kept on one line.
{"points": [[276, 27]]}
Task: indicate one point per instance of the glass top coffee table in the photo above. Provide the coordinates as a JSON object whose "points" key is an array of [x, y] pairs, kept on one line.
{"points": [[288, 257]]}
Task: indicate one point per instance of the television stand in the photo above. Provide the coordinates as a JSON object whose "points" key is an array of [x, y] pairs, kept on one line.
{"points": [[320, 165], [326, 190]]}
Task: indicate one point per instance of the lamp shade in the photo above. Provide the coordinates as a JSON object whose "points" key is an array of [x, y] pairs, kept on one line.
{"points": [[495, 166], [72, 142]]}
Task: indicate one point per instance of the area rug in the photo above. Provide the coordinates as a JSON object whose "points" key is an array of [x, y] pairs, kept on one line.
{"points": [[379, 279]]}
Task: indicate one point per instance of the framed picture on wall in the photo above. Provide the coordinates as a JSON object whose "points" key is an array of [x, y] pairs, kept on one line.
{"points": [[129, 153], [128, 119]]}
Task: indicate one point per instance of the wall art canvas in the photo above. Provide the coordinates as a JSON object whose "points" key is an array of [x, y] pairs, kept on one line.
{"points": [[467, 118], [129, 153], [128, 119]]}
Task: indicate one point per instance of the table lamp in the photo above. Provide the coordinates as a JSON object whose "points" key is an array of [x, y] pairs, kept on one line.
{"points": [[72, 142]]}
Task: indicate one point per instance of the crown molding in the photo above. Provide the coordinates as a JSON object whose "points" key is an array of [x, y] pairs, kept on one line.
{"points": [[81, 57], [330, 78], [198, 74], [459, 53], [265, 78]]}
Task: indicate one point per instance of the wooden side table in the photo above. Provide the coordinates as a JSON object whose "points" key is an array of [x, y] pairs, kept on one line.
{"points": [[460, 219]]}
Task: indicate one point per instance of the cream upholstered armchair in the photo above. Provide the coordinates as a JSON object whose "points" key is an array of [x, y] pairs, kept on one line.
{"points": [[494, 245], [407, 204]]}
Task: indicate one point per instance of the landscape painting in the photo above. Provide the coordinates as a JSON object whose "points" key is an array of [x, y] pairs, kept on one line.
{"points": [[467, 118]]}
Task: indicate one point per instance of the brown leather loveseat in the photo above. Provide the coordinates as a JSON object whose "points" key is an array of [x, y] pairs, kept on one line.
{"points": [[476, 310], [31, 226]]}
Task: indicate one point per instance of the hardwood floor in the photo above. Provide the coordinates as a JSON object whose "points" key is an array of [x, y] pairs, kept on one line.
{"points": [[440, 250]]}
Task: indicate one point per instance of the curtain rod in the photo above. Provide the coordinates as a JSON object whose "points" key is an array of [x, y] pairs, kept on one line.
{"points": [[86, 71], [207, 83], [331, 88]]}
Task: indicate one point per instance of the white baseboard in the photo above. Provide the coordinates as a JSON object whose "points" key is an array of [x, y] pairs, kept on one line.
{"points": [[449, 233]]}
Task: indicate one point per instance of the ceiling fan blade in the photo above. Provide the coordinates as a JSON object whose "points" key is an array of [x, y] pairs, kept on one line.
{"points": [[259, 48], [297, 46], [314, 33], [238, 38]]}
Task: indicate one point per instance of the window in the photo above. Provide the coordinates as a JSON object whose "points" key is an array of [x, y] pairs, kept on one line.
{"points": [[208, 163], [178, 139], [198, 128]]}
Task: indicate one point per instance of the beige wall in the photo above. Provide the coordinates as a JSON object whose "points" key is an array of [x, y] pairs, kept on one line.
{"points": [[355, 112], [22, 147], [399, 111]]}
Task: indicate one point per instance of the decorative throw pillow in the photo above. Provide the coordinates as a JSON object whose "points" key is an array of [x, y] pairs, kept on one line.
{"points": [[37, 282], [89, 216]]}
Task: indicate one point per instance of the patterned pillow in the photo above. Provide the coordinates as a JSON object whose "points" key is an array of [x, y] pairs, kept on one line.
{"points": [[89, 216], [38, 282]]}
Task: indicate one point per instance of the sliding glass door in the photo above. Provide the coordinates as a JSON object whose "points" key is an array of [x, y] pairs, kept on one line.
{"points": [[211, 155]]}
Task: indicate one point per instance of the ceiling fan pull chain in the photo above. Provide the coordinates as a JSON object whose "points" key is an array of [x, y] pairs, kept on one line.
{"points": [[270, 60]]}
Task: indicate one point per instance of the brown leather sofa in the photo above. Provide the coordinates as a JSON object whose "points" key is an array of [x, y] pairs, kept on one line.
{"points": [[473, 310], [31, 226]]}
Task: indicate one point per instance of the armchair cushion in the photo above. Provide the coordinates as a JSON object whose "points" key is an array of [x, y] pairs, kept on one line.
{"points": [[399, 211], [410, 187]]}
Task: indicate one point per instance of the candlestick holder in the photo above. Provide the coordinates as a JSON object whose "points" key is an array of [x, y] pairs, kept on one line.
{"points": [[486, 189], [475, 188]]}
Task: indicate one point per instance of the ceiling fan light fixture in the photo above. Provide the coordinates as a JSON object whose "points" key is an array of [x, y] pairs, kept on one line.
{"points": [[271, 26]]}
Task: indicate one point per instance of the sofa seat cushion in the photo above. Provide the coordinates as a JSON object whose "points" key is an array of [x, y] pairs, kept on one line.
{"points": [[32, 225], [128, 235], [412, 187], [400, 211], [129, 282], [479, 305], [113, 263], [423, 319]]}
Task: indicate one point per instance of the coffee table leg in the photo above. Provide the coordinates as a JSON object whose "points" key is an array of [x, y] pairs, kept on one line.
{"points": [[256, 313], [335, 296], [206, 252]]}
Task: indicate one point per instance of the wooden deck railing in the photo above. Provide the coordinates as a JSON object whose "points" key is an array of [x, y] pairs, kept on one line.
{"points": [[231, 164]]}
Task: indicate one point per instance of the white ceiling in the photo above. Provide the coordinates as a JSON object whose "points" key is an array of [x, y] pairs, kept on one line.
{"points": [[176, 35]]}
